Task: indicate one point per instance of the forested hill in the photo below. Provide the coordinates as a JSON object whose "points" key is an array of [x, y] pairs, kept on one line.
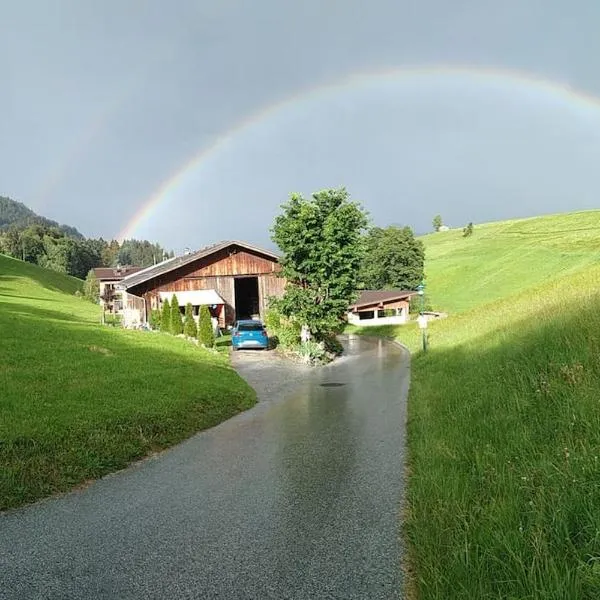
{"points": [[40, 241], [16, 214]]}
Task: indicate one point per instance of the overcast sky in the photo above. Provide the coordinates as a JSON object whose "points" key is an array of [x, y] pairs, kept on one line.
{"points": [[102, 103]]}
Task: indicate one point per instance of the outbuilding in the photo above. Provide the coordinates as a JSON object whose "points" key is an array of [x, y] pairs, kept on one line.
{"points": [[380, 307], [234, 279]]}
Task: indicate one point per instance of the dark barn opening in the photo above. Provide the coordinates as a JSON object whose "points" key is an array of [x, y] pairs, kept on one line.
{"points": [[246, 297]]}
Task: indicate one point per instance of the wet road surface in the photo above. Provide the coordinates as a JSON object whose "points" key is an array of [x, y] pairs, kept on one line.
{"points": [[298, 498]]}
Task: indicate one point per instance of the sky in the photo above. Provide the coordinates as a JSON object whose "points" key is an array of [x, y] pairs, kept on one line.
{"points": [[191, 122]]}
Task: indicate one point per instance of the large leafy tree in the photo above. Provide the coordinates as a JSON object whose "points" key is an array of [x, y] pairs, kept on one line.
{"points": [[394, 258], [321, 241]]}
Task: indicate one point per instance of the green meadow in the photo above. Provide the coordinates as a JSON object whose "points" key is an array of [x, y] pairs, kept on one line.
{"points": [[79, 400], [504, 414]]}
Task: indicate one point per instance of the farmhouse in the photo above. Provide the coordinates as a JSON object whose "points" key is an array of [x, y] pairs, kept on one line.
{"points": [[108, 278], [234, 279], [380, 307]]}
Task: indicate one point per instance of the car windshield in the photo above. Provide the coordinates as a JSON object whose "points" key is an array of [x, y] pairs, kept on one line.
{"points": [[250, 327]]}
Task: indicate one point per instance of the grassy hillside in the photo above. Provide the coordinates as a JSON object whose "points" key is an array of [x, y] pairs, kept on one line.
{"points": [[504, 414], [80, 400], [503, 258]]}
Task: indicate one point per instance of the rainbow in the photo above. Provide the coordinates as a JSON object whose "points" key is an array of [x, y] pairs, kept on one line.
{"points": [[561, 93]]}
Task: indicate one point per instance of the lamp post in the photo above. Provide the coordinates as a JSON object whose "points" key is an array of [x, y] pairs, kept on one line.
{"points": [[422, 320]]}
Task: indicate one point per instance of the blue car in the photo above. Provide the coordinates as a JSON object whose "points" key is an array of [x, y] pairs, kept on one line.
{"points": [[249, 334]]}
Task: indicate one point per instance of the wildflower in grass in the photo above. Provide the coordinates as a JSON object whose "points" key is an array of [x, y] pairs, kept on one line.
{"points": [[572, 374]]}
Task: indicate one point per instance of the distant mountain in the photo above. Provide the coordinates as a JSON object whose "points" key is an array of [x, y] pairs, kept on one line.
{"points": [[16, 214]]}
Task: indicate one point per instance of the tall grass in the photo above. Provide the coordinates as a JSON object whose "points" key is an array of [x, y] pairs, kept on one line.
{"points": [[504, 447], [78, 400]]}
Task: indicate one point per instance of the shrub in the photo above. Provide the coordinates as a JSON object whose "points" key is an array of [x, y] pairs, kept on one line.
{"points": [[289, 334], [165, 317], [282, 330], [206, 335], [91, 287], [155, 316], [273, 321], [176, 320], [113, 320], [189, 325], [313, 352], [333, 345]]}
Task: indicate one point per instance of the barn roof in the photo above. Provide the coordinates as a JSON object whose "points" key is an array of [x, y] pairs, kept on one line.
{"points": [[166, 266], [378, 297]]}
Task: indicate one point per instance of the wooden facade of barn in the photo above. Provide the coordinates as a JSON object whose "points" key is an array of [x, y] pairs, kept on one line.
{"points": [[234, 278]]}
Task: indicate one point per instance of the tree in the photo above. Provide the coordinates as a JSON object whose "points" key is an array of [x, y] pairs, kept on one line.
{"points": [[140, 253], [322, 252], [467, 230], [206, 335], [189, 325], [176, 320], [437, 222], [394, 258], [32, 245], [110, 253], [165, 317], [91, 287]]}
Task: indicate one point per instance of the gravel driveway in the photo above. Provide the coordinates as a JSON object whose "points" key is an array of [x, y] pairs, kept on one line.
{"points": [[297, 498]]}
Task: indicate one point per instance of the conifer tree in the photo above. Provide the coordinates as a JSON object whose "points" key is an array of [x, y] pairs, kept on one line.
{"points": [[189, 325], [165, 317], [176, 320], [206, 335]]}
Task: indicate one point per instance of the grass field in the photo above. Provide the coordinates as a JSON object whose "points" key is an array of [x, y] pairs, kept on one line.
{"points": [[79, 400], [507, 257], [504, 416]]}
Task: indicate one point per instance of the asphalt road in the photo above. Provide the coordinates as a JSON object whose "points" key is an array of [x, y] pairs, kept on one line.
{"points": [[297, 498]]}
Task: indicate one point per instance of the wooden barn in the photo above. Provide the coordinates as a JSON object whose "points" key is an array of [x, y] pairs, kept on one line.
{"points": [[234, 279]]}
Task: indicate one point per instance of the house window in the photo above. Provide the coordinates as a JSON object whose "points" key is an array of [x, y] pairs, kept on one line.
{"points": [[366, 315], [381, 313]]}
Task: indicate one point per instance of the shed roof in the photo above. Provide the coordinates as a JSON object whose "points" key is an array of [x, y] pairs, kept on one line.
{"points": [[379, 297], [114, 273], [166, 266]]}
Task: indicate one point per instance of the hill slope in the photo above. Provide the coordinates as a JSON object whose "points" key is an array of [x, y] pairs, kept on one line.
{"points": [[504, 418], [80, 400], [507, 257], [16, 214]]}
